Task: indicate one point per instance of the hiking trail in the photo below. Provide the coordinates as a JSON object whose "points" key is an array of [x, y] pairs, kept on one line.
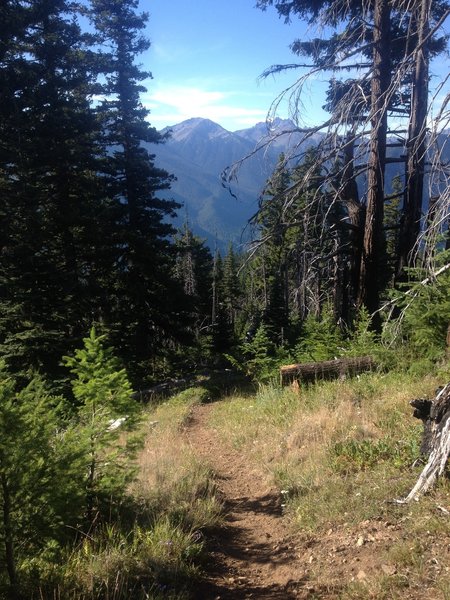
{"points": [[255, 555]]}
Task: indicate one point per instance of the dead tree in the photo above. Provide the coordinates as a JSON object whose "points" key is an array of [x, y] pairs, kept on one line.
{"points": [[369, 285], [435, 415], [327, 369]]}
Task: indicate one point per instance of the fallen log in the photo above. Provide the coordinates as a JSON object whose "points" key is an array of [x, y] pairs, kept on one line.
{"points": [[327, 369], [435, 415]]}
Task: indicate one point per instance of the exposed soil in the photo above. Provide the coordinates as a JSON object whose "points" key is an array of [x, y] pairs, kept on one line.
{"points": [[256, 556]]}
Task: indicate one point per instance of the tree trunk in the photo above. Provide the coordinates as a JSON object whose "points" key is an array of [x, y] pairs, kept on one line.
{"points": [[416, 143], [356, 215], [435, 415], [369, 284], [327, 369]]}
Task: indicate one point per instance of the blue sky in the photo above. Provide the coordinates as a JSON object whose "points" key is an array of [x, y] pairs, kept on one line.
{"points": [[206, 58]]}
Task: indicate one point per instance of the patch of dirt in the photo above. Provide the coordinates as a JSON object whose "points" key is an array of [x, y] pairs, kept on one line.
{"points": [[256, 556]]}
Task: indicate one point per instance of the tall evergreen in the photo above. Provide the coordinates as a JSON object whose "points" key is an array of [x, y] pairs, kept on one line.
{"points": [[143, 312], [50, 196], [194, 271]]}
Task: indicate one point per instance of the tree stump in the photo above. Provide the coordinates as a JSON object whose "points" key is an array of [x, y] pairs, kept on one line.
{"points": [[435, 415]]}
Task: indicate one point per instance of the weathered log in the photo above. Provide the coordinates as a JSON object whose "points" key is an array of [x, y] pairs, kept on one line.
{"points": [[435, 415], [327, 369]]}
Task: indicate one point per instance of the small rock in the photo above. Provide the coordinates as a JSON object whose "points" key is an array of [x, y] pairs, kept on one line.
{"points": [[361, 575], [388, 569], [360, 541]]}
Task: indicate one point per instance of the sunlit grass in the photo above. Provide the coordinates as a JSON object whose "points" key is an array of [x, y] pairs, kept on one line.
{"points": [[339, 453], [156, 552]]}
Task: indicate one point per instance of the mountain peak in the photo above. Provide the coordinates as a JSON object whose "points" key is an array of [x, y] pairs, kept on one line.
{"points": [[196, 126]]}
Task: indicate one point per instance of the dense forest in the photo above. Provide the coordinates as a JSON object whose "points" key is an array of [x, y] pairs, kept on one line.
{"points": [[100, 295]]}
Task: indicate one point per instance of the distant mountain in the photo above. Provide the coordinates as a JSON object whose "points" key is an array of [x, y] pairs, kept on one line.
{"points": [[197, 153], [199, 150]]}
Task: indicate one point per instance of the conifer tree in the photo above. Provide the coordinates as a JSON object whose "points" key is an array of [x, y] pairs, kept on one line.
{"points": [[231, 288], [143, 312], [194, 270], [104, 401], [40, 487], [53, 232]]}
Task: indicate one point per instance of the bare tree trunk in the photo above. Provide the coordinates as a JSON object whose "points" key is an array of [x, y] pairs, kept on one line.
{"points": [[416, 143], [369, 292], [326, 369], [356, 215], [436, 442]]}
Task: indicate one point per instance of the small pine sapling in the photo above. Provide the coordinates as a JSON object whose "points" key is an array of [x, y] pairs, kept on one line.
{"points": [[105, 409], [39, 494]]}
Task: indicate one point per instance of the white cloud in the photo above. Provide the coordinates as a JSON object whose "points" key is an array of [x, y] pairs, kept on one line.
{"points": [[172, 104]]}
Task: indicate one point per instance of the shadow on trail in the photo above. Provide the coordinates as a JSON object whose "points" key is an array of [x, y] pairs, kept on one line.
{"points": [[269, 504], [232, 543], [214, 591]]}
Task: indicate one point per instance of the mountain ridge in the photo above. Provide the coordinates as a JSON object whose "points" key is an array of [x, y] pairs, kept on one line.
{"points": [[197, 152]]}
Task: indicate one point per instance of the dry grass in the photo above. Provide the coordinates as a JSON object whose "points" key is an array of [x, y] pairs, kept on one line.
{"points": [[171, 505], [339, 452]]}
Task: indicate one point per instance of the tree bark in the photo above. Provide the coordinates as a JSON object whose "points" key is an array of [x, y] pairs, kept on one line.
{"points": [[435, 415], [327, 369], [369, 283], [416, 143]]}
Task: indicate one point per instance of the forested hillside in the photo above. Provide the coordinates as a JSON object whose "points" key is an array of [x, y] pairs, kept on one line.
{"points": [[103, 298]]}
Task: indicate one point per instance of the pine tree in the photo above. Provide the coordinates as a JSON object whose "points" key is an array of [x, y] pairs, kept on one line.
{"points": [[194, 271], [104, 398], [54, 232], [144, 312], [40, 491], [231, 292], [272, 259]]}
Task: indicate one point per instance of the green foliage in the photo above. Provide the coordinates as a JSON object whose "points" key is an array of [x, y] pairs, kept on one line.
{"points": [[143, 563], [40, 486], [258, 356], [363, 340], [427, 317], [361, 455], [103, 393], [321, 339], [99, 381]]}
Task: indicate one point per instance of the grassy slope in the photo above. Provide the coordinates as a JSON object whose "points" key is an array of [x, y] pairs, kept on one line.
{"points": [[339, 452], [156, 551]]}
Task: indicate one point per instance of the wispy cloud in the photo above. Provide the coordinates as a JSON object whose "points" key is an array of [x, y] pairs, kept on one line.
{"points": [[170, 105]]}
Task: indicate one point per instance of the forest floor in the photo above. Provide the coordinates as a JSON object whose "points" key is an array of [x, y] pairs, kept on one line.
{"points": [[256, 555]]}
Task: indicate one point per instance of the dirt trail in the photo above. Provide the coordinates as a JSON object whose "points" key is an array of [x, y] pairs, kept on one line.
{"points": [[254, 557]]}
